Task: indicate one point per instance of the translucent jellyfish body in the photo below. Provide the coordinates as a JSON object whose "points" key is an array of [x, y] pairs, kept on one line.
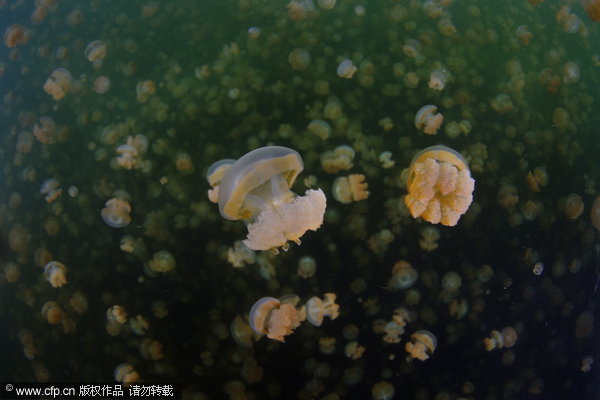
{"points": [[317, 309], [116, 317], [307, 266], [595, 213], [52, 313], [162, 261], [346, 69], [269, 316], [95, 50], [320, 128], [239, 255], [592, 7], [56, 273], [50, 187], [256, 189], [347, 189], [214, 176], [422, 345], [382, 391], [440, 187], [116, 213], [428, 119], [58, 84], [403, 276], [16, 34], [438, 79], [125, 374], [341, 158]]}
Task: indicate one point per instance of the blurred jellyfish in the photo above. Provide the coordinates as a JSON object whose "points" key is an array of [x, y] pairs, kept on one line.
{"points": [[427, 119], [116, 213], [56, 273], [256, 189], [353, 350], [320, 128], [523, 34], [341, 158], [429, 238], [347, 189], [239, 255], [571, 72], [403, 276], [101, 84], [58, 84], [438, 79], [125, 374], [346, 69], [326, 4], [299, 59], [144, 89], [45, 130], [385, 158], [151, 349], [241, 332], [317, 309], [440, 187], [307, 266], [16, 34], [573, 206], [95, 51], [422, 345], [595, 213], [52, 313], [116, 317], [269, 316], [50, 187], [162, 261], [254, 32], [383, 390], [592, 8]]}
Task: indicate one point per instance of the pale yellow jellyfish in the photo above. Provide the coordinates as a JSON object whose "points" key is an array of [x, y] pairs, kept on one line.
{"points": [[307, 266], [125, 374], [241, 332], [162, 261], [269, 316], [139, 325], [495, 341], [16, 34], [299, 59], [101, 84], [50, 187], [383, 391], [317, 309], [595, 213], [438, 79], [46, 130], [144, 89], [429, 238], [256, 189], [129, 154], [320, 128], [56, 273], [95, 51], [327, 345], [215, 175], [347, 189], [346, 69], [52, 313], [428, 119], [58, 84], [403, 276], [573, 206], [151, 349], [12, 272], [353, 350], [422, 345], [116, 317], [116, 213], [341, 158], [239, 255], [440, 187]]}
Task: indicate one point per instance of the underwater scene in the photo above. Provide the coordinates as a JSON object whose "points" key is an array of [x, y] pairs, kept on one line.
{"points": [[302, 199]]}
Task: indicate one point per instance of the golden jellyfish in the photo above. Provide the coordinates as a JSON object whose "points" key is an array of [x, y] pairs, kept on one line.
{"points": [[116, 317], [101, 84], [523, 34], [317, 309], [592, 8], [95, 51], [45, 130], [320, 128], [214, 176], [116, 213], [299, 59], [239, 255], [383, 391], [346, 69], [438, 79], [56, 273], [269, 316], [440, 187], [125, 374], [58, 84], [15, 35], [52, 312], [347, 189], [353, 350], [183, 162], [429, 238], [50, 187], [326, 4], [256, 189], [162, 261], [595, 213], [12, 272], [422, 345], [151, 349], [385, 158], [573, 206], [241, 332], [139, 325], [403, 276], [307, 266], [428, 119], [341, 158], [144, 89]]}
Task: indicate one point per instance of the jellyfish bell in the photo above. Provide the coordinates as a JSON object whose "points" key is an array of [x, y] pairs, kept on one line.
{"points": [[592, 8], [95, 50], [58, 83], [256, 189], [274, 318], [214, 176], [317, 309], [428, 119], [56, 273], [116, 213]]}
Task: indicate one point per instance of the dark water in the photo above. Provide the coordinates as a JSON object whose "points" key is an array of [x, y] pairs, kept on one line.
{"points": [[219, 93]]}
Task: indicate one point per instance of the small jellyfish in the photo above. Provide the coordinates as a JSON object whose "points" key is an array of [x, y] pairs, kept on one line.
{"points": [[592, 8], [151, 349], [320, 128], [144, 89], [241, 332], [16, 34], [422, 345], [438, 79], [95, 51], [573, 206], [382, 391], [595, 213], [440, 187], [256, 189], [427, 119], [58, 84], [347, 189], [523, 34], [46, 130], [429, 238], [307, 266], [214, 176], [346, 69], [56, 273], [116, 213], [52, 313], [239, 255], [326, 4], [101, 84], [271, 317], [125, 374], [385, 158], [116, 317], [317, 309], [253, 32], [403, 276], [50, 187], [341, 158], [299, 59], [162, 261], [571, 72]]}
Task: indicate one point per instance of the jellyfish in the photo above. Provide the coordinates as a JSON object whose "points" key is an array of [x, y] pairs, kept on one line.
{"points": [[573, 206], [162, 261], [595, 213], [346, 69], [347, 189], [271, 317], [50, 187], [307, 266], [241, 332], [299, 59], [151, 349], [239, 255], [320, 128], [353, 350], [317, 309], [45, 130], [256, 189], [125, 374], [116, 213], [428, 120], [422, 345], [383, 391], [101, 84], [385, 158], [16, 34], [58, 84], [116, 317], [429, 238], [592, 8], [403, 276], [144, 89], [52, 312], [214, 176], [326, 4], [95, 51], [56, 273], [438, 79], [440, 187], [341, 158], [523, 34]]}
